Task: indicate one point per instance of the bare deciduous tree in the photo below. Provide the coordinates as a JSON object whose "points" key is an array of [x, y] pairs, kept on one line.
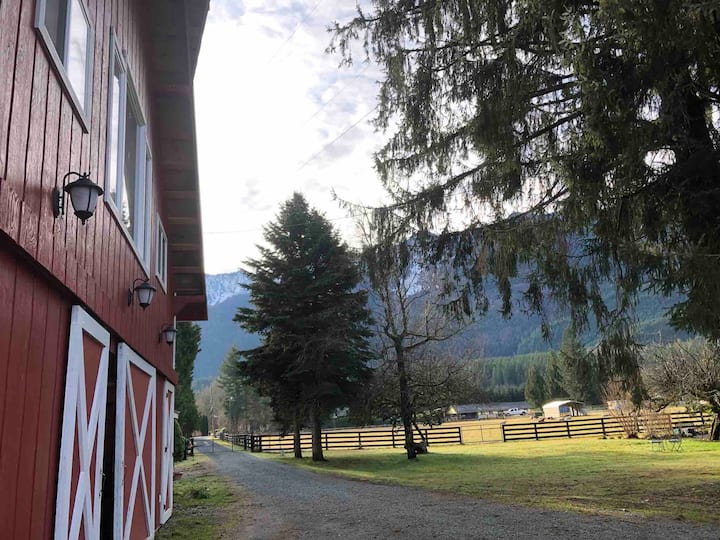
{"points": [[686, 372], [410, 318]]}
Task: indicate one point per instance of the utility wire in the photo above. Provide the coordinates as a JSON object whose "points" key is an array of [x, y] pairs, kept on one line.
{"points": [[292, 34], [336, 139], [340, 91], [241, 231]]}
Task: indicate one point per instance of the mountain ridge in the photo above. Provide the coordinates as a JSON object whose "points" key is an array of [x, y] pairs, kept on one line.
{"points": [[497, 336]]}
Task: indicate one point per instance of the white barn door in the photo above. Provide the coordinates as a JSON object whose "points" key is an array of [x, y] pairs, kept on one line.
{"points": [[168, 445], [77, 509], [135, 447]]}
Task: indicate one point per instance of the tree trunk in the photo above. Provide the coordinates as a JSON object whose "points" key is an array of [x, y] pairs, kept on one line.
{"points": [[317, 450], [296, 438], [715, 428], [422, 435], [405, 407]]}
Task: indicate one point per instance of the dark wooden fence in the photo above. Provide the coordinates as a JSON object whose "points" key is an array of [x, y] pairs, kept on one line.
{"points": [[343, 440], [593, 427]]}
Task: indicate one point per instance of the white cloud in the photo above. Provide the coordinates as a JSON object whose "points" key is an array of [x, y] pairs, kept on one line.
{"points": [[269, 103]]}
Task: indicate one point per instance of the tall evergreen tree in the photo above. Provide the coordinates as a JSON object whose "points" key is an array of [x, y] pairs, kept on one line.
{"points": [[576, 365], [553, 378], [535, 386], [312, 319], [245, 409], [187, 345], [580, 139]]}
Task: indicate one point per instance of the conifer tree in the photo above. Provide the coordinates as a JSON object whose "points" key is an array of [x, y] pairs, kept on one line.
{"points": [[187, 345], [311, 317], [553, 378], [535, 386], [576, 366], [577, 143]]}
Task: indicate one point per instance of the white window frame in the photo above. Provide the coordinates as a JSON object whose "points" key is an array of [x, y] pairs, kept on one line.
{"points": [[148, 180], [142, 218], [59, 58], [161, 255]]}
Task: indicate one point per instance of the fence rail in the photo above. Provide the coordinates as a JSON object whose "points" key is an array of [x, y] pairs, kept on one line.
{"points": [[384, 438], [586, 427], [343, 440]]}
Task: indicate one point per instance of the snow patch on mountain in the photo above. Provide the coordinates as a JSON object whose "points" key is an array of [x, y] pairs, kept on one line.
{"points": [[220, 287]]}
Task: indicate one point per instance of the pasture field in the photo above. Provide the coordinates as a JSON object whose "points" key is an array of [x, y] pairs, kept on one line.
{"points": [[477, 431], [613, 476]]}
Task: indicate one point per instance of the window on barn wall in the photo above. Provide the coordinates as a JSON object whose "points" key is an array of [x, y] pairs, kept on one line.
{"points": [[128, 180], [66, 33], [161, 250], [147, 240]]}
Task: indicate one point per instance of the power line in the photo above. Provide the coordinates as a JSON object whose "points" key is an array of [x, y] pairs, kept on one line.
{"points": [[242, 231], [340, 91], [292, 34], [336, 139]]}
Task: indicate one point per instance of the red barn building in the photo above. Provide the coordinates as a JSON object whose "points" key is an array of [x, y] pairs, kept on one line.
{"points": [[102, 87]]}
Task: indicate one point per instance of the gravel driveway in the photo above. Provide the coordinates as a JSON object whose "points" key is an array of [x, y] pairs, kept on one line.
{"points": [[292, 503]]}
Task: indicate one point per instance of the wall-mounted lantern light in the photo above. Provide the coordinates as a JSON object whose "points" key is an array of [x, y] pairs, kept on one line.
{"points": [[144, 291], [168, 333], [83, 193]]}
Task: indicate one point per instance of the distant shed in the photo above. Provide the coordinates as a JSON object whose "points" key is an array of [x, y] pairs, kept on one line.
{"points": [[463, 412], [564, 407]]}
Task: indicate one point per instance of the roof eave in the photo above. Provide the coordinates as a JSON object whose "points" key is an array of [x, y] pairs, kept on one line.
{"points": [[176, 35]]}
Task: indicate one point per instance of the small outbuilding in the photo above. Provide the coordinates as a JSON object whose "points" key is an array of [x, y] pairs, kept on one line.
{"points": [[463, 412], [564, 407]]}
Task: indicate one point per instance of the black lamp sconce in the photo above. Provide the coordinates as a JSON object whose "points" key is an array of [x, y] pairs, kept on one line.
{"points": [[168, 333], [83, 193], [144, 291]]}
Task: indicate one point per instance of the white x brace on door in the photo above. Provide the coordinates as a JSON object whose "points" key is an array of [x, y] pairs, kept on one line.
{"points": [[168, 445], [135, 447], [77, 509]]}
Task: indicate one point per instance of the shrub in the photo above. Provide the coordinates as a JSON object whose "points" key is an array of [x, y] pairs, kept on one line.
{"points": [[180, 443]]}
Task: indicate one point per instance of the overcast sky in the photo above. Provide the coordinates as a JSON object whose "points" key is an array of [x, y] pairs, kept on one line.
{"points": [[275, 115]]}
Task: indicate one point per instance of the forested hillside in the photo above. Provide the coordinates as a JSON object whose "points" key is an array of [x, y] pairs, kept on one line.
{"points": [[491, 336], [219, 334]]}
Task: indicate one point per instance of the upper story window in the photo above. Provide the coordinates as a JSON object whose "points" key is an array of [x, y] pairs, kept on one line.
{"points": [[147, 240], [128, 180], [66, 32], [161, 251]]}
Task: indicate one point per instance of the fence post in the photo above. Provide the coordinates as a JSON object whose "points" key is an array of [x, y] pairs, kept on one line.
{"points": [[502, 427], [567, 426], [392, 432], [602, 423], [260, 443], [702, 420], [360, 439], [327, 447], [460, 434], [536, 431]]}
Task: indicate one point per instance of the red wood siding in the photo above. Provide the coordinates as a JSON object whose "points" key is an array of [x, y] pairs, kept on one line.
{"points": [[34, 324], [41, 139]]}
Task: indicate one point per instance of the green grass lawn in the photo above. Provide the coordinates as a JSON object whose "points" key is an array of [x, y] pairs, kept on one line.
{"points": [[588, 475], [203, 501]]}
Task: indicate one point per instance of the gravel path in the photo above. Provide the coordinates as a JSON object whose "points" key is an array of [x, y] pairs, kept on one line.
{"points": [[294, 503]]}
